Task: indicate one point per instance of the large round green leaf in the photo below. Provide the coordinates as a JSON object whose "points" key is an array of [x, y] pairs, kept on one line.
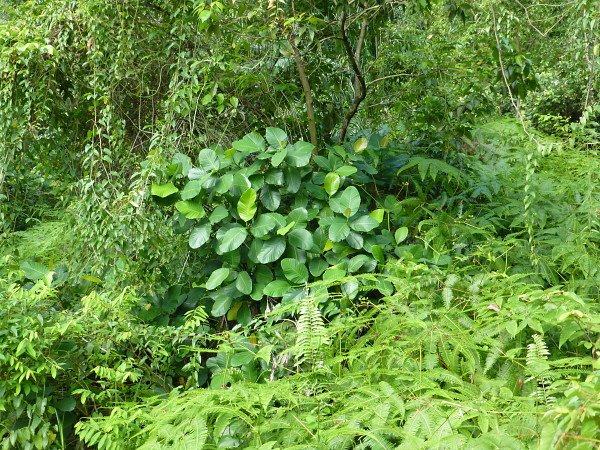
{"points": [[208, 160], [364, 223], [200, 235], [357, 262], [360, 144], [355, 240], [163, 190], [191, 189], [276, 288], [190, 209], [276, 137], [246, 206], [243, 283], [347, 202], [263, 275], [218, 214], [251, 143], [332, 183], [345, 171], [294, 270], [401, 234], [224, 183], [301, 239], [270, 197], [271, 250], [221, 305], [232, 239], [216, 278], [278, 157], [339, 231], [293, 181], [299, 154], [240, 184], [262, 225]]}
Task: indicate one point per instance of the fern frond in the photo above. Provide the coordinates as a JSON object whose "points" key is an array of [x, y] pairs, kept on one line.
{"points": [[312, 335]]}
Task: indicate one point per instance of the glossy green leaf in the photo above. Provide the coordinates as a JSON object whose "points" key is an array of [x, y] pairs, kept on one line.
{"points": [[221, 306], [364, 223], [357, 262], [378, 215], [332, 183], [243, 283], [232, 239], [333, 274], [257, 291], [163, 190], [299, 154], [216, 278], [278, 157], [246, 206], [275, 176], [190, 209], [224, 183], [262, 225], [276, 288], [270, 197], [360, 144], [251, 143], [263, 274], [346, 171], [338, 231], [276, 137], [301, 239], [401, 234], [294, 270], [293, 181], [378, 254], [208, 160], [317, 266], [244, 315], [346, 202], [271, 250], [200, 235], [218, 214], [240, 184], [191, 189], [355, 240]]}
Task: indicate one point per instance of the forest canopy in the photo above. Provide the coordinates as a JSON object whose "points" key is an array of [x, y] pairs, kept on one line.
{"points": [[299, 224]]}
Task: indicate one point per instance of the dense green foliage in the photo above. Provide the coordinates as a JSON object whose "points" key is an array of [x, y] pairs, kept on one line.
{"points": [[299, 224]]}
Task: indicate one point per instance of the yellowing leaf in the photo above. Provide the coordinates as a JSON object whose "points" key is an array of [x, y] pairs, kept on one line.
{"points": [[360, 144]]}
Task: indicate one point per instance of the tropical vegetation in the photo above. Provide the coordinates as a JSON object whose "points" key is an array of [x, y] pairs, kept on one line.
{"points": [[299, 224]]}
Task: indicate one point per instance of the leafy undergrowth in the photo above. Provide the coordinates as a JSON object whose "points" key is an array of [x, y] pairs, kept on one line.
{"points": [[445, 361], [451, 304]]}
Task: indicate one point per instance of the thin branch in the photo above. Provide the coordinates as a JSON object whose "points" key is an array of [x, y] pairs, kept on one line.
{"points": [[388, 77], [359, 46], [308, 98], [361, 93]]}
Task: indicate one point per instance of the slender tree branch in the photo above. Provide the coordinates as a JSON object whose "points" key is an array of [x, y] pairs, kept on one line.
{"points": [[359, 46], [387, 77], [359, 94], [308, 98]]}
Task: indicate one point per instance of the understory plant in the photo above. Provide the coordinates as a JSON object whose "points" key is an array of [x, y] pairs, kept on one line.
{"points": [[448, 359]]}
